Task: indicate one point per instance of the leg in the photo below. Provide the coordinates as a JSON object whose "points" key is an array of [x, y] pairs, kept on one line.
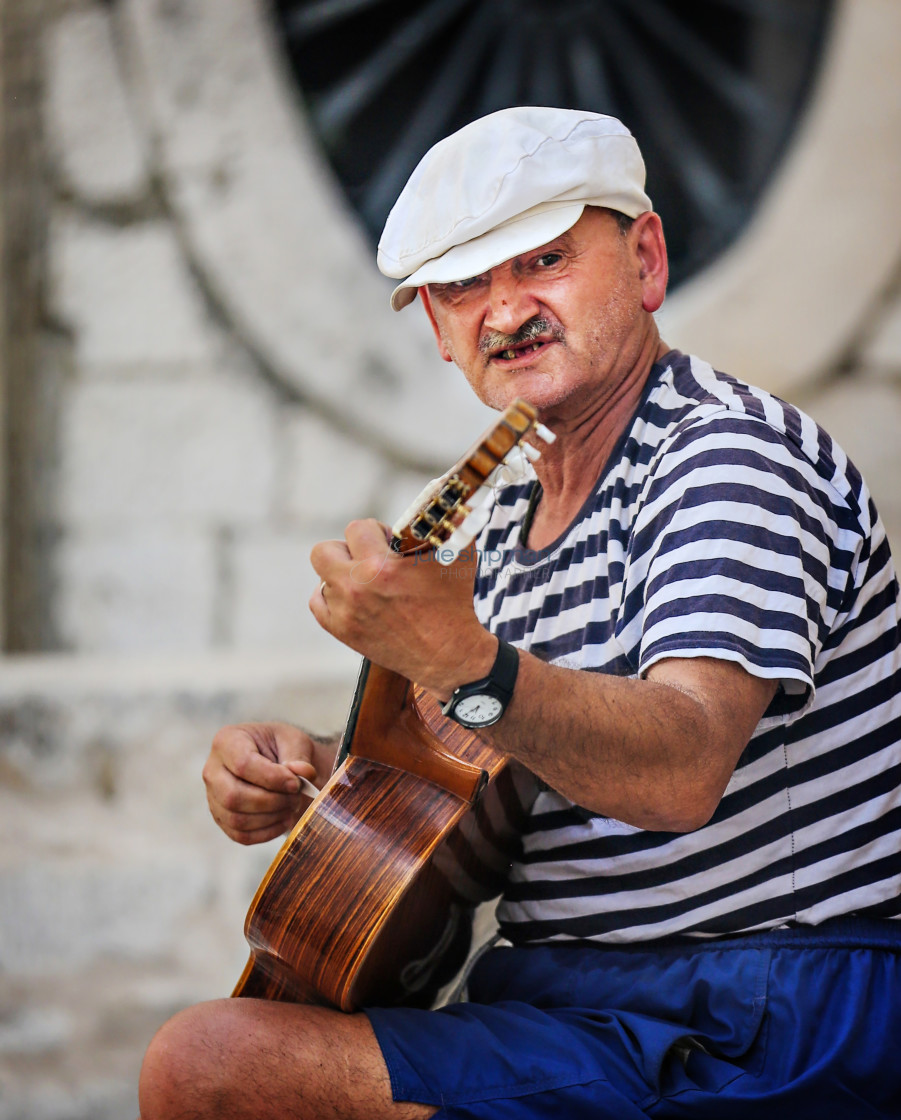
{"points": [[247, 1059]]}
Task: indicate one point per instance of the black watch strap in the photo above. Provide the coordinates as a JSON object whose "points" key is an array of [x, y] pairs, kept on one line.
{"points": [[499, 684], [505, 668]]}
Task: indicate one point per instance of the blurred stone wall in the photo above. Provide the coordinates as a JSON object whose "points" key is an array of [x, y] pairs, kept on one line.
{"points": [[203, 379], [202, 432]]}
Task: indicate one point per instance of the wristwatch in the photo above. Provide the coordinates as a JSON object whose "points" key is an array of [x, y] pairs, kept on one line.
{"points": [[482, 703]]}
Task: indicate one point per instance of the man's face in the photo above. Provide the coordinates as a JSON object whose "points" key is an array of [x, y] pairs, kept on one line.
{"points": [[560, 325]]}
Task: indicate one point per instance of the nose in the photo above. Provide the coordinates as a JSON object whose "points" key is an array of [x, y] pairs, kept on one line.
{"points": [[510, 303]]}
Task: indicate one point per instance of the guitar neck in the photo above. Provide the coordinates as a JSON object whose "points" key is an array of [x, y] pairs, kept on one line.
{"points": [[451, 511]]}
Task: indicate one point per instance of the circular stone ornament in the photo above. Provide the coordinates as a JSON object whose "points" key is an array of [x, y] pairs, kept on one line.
{"points": [[247, 163]]}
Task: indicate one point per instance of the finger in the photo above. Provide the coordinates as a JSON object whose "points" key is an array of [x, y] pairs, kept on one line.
{"points": [[307, 789], [250, 822], [319, 609], [237, 820], [259, 835], [278, 742], [306, 774], [367, 537], [233, 783], [301, 767], [240, 797], [329, 557], [244, 763], [263, 835]]}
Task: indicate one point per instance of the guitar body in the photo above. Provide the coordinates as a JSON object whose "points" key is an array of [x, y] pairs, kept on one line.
{"points": [[370, 900], [410, 850]]}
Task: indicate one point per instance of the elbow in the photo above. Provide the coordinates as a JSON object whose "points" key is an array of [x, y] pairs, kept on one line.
{"points": [[673, 821], [689, 821], [699, 810], [686, 798], [684, 810]]}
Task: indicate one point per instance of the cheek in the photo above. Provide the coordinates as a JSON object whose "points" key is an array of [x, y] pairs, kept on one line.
{"points": [[613, 320], [460, 341], [449, 348]]}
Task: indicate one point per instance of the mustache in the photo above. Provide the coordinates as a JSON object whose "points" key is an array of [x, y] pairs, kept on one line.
{"points": [[492, 341]]}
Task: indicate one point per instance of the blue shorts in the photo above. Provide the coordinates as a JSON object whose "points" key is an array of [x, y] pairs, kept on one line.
{"points": [[791, 1024]]}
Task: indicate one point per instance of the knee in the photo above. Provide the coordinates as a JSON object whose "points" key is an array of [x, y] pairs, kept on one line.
{"points": [[184, 1067]]}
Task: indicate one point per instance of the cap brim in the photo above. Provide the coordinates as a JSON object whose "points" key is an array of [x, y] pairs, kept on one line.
{"points": [[500, 244]]}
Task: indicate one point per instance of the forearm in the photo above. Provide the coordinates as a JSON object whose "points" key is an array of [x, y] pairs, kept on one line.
{"points": [[656, 753], [653, 753]]}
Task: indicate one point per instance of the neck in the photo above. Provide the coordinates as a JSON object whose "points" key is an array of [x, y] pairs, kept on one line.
{"points": [[569, 469]]}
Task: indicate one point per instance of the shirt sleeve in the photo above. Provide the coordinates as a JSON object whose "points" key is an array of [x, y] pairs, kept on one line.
{"points": [[737, 552]]}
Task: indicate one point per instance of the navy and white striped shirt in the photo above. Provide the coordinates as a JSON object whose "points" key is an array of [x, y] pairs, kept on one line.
{"points": [[726, 524]]}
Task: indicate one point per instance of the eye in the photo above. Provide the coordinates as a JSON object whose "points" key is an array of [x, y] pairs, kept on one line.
{"points": [[548, 260], [455, 289], [463, 285]]}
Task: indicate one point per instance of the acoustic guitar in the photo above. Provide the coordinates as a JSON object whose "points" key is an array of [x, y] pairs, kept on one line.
{"points": [[369, 901]]}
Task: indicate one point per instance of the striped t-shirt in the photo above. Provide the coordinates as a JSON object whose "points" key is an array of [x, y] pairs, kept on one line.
{"points": [[726, 524]]}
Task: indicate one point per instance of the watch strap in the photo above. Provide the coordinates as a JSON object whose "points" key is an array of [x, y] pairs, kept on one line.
{"points": [[500, 681], [505, 669]]}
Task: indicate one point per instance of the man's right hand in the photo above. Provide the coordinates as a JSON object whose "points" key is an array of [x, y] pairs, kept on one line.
{"points": [[252, 778]]}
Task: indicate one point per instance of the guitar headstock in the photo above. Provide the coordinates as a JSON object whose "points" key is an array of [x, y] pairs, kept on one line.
{"points": [[452, 510]]}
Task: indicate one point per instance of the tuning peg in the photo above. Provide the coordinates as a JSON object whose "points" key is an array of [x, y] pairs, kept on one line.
{"points": [[531, 453], [463, 536], [422, 499], [544, 433]]}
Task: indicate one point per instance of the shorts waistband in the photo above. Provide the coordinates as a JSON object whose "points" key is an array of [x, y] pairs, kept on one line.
{"points": [[850, 931]]}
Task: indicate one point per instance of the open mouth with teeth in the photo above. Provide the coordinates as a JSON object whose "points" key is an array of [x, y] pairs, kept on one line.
{"points": [[519, 351]]}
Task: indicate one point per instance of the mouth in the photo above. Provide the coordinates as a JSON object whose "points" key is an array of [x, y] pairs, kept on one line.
{"points": [[524, 350]]}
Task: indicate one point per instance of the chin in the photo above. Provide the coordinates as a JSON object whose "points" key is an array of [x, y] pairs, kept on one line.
{"points": [[542, 392]]}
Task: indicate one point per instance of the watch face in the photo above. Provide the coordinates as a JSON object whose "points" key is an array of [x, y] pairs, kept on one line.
{"points": [[478, 711]]}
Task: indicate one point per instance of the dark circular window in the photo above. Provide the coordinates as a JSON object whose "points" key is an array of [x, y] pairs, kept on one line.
{"points": [[712, 89]]}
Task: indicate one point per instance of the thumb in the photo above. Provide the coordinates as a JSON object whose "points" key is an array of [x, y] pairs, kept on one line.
{"points": [[301, 767], [306, 775]]}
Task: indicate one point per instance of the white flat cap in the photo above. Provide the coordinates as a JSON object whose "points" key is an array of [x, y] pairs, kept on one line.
{"points": [[503, 185]]}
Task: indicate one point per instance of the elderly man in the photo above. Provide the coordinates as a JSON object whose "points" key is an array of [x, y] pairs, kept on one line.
{"points": [[696, 605]]}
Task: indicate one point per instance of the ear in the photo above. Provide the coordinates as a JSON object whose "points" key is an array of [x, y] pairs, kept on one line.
{"points": [[429, 310], [650, 245]]}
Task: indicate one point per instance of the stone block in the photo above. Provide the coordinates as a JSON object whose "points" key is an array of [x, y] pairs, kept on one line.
{"points": [[137, 451], [266, 225], [127, 295], [273, 581], [85, 1099], [329, 478], [69, 912], [34, 1031], [134, 731], [120, 900], [135, 589], [98, 151]]}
